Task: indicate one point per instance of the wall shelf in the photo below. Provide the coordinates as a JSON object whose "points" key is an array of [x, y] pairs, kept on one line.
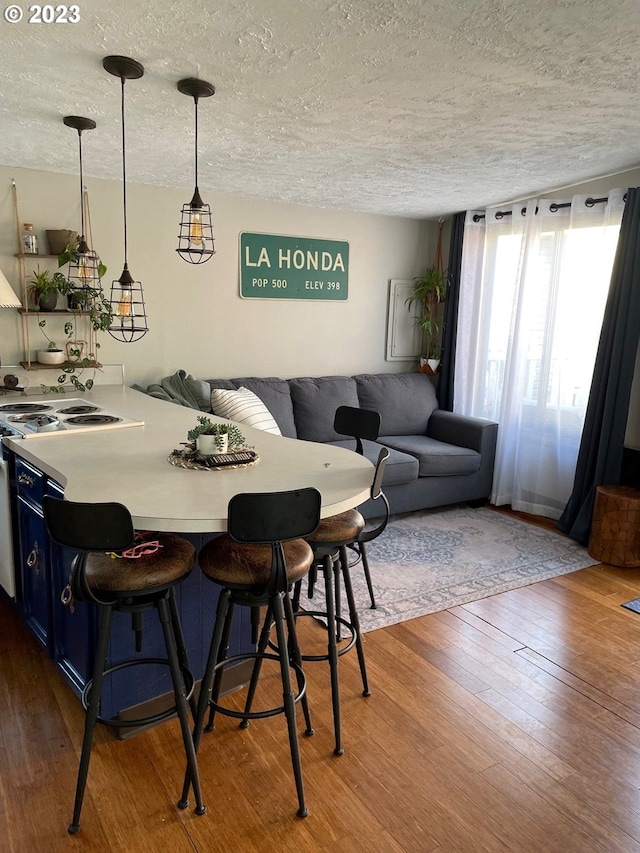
{"points": [[35, 365]]}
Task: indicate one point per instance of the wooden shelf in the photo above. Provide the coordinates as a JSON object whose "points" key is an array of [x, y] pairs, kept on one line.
{"points": [[55, 312], [31, 255], [35, 365]]}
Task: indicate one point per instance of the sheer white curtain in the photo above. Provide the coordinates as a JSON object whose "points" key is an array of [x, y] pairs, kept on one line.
{"points": [[533, 291]]}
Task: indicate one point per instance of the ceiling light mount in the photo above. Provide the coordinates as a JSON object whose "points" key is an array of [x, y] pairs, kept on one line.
{"points": [[79, 123], [195, 240], [123, 67], [195, 88], [129, 322]]}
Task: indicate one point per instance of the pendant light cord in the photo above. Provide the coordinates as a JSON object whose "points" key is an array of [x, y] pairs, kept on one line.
{"points": [[195, 101], [81, 185], [124, 176]]}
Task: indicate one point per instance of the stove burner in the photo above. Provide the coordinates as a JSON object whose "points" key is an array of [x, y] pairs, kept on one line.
{"points": [[91, 420], [16, 408], [78, 410], [26, 419]]}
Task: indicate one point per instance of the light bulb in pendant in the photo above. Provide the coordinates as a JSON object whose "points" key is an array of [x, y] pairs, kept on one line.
{"points": [[125, 309], [84, 268], [195, 227]]}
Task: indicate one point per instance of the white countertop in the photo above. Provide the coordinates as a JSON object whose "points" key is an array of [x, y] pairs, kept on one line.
{"points": [[130, 465]]}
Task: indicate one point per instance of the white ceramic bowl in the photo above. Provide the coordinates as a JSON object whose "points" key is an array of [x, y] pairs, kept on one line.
{"points": [[51, 356]]}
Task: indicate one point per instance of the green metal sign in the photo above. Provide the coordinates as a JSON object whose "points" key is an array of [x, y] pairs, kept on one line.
{"points": [[277, 267]]}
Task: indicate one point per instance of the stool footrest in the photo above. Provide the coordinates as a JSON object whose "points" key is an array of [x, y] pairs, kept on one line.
{"points": [[268, 712], [152, 719]]}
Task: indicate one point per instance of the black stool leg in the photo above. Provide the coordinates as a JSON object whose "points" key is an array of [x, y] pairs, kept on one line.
{"points": [[180, 692], [93, 707], [353, 618], [330, 568], [289, 700], [205, 686], [338, 605], [296, 658], [222, 654], [257, 665], [183, 658], [367, 575]]}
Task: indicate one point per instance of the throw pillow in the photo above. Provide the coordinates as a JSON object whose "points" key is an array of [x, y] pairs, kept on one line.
{"points": [[243, 407]]}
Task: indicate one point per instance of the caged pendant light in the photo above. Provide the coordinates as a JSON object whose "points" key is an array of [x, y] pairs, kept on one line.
{"points": [[195, 241], [84, 265], [127, 298]]}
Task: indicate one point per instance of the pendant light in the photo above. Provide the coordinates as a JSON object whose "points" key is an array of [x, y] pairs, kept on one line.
{"points": [[129, 322], [195, 241], [84, 266]]}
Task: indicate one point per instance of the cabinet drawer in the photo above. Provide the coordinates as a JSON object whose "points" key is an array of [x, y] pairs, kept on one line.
{"points": [[29, 482]]}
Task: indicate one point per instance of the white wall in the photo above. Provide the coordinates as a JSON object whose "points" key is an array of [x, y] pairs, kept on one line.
{"points": [[197, 319]]}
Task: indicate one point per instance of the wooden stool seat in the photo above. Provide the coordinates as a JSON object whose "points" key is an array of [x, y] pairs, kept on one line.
{"points": [[172, 562], [615, 527], [232, 564], [344, 527]]}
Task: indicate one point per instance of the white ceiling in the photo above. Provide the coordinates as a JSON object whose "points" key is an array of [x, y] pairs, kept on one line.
{"points": [[405, 107]]}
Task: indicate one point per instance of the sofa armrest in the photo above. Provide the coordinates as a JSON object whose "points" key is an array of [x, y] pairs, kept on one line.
{"points": [[477, 434]]}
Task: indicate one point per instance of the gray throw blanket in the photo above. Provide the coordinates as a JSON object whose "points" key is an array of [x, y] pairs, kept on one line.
{"points": [[182, 389]]}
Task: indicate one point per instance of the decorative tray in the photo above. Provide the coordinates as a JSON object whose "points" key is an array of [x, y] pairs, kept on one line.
{"points": [[238, 457]]}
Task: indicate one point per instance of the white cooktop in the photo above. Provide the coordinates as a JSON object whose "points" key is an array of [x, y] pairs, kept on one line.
{"points": [[36, 418]]}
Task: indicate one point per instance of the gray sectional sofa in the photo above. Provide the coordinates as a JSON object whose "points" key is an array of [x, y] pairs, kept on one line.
{"points": [[436, 458]]}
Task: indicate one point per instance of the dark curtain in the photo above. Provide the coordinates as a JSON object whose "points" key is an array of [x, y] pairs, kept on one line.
{"points": [[602, 443], [450, 321]]}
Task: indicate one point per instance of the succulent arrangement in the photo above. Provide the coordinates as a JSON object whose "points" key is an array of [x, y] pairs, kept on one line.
{"points": [[206, 426]]}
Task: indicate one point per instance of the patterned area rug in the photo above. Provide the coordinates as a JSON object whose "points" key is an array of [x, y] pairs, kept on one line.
{"points": [[432, 560]]}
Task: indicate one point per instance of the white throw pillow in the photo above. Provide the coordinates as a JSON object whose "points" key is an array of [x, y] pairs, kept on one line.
{"points": [[243, 407]]}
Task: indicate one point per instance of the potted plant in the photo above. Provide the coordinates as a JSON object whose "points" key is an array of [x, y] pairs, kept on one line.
{"points": [[210, 437], [429, 291], [52, 354], [44, 288]]}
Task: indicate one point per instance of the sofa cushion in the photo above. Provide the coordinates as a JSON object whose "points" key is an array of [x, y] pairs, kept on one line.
{"points": [[404, 401], [243, 407], [401, 467], [315, 401], [276, 396], [435, 458]]}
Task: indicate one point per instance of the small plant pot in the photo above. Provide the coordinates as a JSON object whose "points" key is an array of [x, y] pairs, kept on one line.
{"points": [[59, 239], [52, 356], [75, 351], [206, 444], [48, 301]]}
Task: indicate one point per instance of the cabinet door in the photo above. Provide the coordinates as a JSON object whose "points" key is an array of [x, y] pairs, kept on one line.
{"points": [[34, 570], [74, 623]]}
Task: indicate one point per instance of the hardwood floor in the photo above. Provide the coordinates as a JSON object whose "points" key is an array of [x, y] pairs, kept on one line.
{"points": [[508, 724]]}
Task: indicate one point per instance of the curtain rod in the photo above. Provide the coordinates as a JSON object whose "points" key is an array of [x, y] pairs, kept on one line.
{"points": [[553, 207]]}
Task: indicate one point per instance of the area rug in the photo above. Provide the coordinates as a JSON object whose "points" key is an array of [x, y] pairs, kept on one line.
{"points": [[428, 561]]}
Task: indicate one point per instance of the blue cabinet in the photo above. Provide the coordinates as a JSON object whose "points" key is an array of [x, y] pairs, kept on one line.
{"points": [[75, 624], [35, 578]]}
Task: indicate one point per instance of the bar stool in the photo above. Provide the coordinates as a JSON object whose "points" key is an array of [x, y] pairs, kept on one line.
{"points": [[329, 543], [132, 584], [256, 563], [359, 424]]}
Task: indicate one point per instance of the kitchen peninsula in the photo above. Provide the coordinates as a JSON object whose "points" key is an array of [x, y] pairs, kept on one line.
{"points": [[130, 465]]}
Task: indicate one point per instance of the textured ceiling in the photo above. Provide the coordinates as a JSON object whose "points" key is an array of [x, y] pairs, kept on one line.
{"points": [[406, 107]]}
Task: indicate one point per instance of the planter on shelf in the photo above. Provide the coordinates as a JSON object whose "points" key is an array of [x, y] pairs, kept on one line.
{"points": [[75, 351], [51, 356], [48, 301], [59, 239]]}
